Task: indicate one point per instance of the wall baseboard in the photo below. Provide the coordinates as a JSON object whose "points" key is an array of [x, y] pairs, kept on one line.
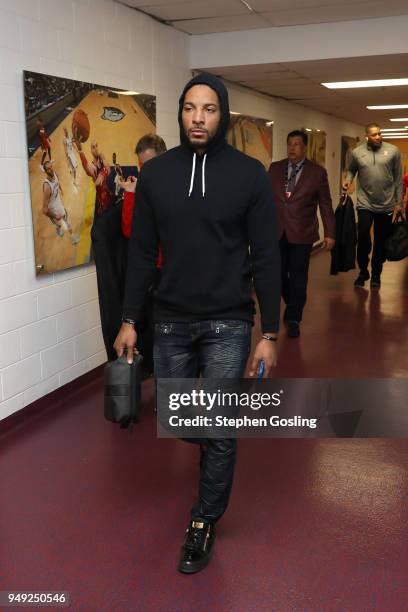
{"points": [[53, 401]]}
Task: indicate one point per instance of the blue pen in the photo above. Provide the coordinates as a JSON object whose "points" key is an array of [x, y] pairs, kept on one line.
{"points": [[261, 368]]}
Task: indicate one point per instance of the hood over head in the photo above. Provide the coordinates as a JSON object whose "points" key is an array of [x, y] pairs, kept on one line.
{"points": [[218, 86]]}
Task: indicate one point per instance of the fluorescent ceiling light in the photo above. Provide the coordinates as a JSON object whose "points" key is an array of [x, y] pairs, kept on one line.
{"points": [[375, 83], [387, 106], [400, 119], [400, 137], [308, 129], [234, 113], [393, 129], [269, 123]]}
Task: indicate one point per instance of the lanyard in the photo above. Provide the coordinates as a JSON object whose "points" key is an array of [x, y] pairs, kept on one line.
{"points": [[296, 171], [293, 175]]}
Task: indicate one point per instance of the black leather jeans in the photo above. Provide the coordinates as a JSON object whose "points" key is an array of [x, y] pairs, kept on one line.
{"points": [[211, 349]]}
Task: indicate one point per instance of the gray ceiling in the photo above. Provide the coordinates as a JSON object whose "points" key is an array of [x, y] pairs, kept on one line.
{"points": [[298, 81], [209, 16]]}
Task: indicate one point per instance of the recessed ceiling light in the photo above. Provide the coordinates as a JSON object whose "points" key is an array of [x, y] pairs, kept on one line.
{"points": [[308, 129], [387, 106], [400, 119], [374, 83]]}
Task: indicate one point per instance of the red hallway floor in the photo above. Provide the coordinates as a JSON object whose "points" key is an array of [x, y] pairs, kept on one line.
{"points": [[312, 525]]}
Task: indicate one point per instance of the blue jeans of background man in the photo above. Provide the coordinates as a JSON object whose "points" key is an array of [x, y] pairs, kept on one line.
{"points": [[210, 349]]}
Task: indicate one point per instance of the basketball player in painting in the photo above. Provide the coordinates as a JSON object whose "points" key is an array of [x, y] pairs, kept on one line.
{"points": [[70, 153], [53, 207], [45, 142], [117, 180], [99, 171]]}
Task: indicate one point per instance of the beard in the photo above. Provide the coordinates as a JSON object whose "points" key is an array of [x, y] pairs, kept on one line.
{"points": [[199, 144]]}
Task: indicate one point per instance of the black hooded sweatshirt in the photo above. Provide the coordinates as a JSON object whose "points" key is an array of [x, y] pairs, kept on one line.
{"points": [[205, 211]]}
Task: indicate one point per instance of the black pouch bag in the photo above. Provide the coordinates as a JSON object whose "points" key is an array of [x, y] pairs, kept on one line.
{"points": [[396, 246], [122, 390]]}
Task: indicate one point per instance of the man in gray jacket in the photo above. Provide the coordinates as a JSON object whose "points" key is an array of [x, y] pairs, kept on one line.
{"points": [[379, 199]]}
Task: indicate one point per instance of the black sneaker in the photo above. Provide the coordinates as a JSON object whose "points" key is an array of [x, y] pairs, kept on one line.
{"points": [[293, 329], [361, 279], [197, 548], [375, 280]]}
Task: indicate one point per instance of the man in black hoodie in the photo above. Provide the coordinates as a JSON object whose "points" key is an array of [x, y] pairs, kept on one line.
{"points": [[211, 210]]}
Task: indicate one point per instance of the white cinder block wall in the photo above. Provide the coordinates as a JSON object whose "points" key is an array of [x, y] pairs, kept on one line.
{"points": [[49, 327]]}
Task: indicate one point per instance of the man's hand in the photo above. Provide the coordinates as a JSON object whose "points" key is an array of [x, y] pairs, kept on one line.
{"points": [[345, 186], [266, 350], [126, 341], [328, 243], [129, 185], [399, 211]]}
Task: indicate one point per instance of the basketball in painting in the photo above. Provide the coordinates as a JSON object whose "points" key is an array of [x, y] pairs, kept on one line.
{"points": [[80, 125]]}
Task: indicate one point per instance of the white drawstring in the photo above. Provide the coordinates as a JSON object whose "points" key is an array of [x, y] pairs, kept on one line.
{"points": [[203, 175], [192, 176]]}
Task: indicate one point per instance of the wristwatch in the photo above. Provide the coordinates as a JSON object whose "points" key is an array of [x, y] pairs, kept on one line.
{"points": [[270, 338], [129, 321]]}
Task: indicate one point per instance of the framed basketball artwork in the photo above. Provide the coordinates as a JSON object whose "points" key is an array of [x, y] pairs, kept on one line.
{"points": [[252, 135], [316, 146], [81, 145]]}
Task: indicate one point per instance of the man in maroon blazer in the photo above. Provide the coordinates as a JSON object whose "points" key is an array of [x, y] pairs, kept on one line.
{"points": [[300, 186]]}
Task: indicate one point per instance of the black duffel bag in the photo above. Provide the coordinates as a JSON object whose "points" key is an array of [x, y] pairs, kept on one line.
{"points": [[396, 246], [122, 390]]}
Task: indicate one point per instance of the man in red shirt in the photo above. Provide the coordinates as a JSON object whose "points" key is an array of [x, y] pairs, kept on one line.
{"points": [[149, 146]]}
